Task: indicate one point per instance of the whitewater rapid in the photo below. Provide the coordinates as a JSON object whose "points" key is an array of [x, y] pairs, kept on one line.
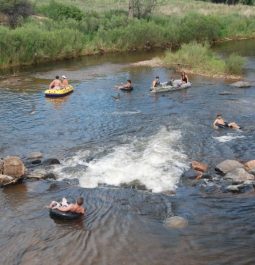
{"points": [[156, 161]]}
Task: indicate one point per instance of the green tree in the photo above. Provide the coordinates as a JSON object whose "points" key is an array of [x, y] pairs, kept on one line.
{"points": [[141, 8], [15, 10]]}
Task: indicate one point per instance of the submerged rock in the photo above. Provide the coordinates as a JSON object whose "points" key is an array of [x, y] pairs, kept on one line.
{"points": [[239, 175], [13, 166], [191, 174], [241, 84], [176, 222], [51, 161], [240, 188], [227, 166]]}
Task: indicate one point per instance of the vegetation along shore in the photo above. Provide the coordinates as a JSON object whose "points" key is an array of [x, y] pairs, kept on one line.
{"points": [[53, 30]]}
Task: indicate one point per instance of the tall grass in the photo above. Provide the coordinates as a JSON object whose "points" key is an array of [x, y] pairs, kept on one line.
{"points": [[68, 31], [200, 59]]}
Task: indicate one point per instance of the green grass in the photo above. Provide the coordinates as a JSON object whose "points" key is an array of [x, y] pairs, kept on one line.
{"points": [[201, 59], [80, 27]]}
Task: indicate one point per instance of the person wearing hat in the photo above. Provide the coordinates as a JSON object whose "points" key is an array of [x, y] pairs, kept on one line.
{"points": [[156, 82], [221, 123], [64, 81]]}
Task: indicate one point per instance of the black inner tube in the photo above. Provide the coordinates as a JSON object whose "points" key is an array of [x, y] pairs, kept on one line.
{"points": [[56, 214]]}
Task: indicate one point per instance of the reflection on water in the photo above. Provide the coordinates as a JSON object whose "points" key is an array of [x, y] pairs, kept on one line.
{"points": [[140, 138]]}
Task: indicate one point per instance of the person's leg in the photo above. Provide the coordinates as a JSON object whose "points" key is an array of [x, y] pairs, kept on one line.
{"points": [[233, 125]]}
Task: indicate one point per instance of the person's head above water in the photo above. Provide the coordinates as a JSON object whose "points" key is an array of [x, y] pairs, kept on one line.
{"points": [[129, 81], [79, 201], [157, 77], [219, 115], [57, 77]]}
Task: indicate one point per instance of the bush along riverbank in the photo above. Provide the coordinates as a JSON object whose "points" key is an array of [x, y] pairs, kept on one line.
{"points": [[60, 31], [200, 59]]}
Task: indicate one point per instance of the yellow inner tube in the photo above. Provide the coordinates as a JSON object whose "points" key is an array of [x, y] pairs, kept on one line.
{"points": [[60, 91]]}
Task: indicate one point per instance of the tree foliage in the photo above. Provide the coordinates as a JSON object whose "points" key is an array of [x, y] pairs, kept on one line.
{"points": [[141, 8], [15, 10]]}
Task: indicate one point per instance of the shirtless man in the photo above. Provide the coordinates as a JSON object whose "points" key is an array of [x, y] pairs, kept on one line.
{"points": [[75, 208], [56, 83], [64, 81], [220, 123], [128, 86], [156, 82]]}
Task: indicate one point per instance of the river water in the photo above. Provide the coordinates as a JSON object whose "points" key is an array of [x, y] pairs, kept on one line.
{"points": [[105, 144]]}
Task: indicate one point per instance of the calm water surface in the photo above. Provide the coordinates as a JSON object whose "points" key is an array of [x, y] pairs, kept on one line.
{"points": [[105, 143]]}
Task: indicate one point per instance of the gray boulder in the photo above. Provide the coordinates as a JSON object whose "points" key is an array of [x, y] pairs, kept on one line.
{"points": [[51, 161], [40, 174], [241, 84], [227, 166], [240, 188], [13, 166], [239, 175], [190, 174], [35, 155], [176, 222]]}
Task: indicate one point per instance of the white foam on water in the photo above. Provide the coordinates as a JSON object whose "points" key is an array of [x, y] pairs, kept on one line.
{"points": [[156, 161], [228, 137], [126, 112]]}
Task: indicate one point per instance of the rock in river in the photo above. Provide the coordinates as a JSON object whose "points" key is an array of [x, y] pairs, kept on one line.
{"points": [[227, 166], [199, 166], [241, 84], [250, 165], [35, 156], [51, 161], [176, 222], [239, 175], [13, 166]]}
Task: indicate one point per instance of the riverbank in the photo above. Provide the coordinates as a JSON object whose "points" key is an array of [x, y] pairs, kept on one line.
{"points": [[39, 40]]}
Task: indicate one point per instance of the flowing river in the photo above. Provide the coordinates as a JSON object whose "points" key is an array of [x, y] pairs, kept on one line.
{"points": [[105, 140]]}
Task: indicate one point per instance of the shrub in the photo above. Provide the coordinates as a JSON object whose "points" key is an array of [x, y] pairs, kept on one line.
{"points": [[59, 11], [234, 64]]}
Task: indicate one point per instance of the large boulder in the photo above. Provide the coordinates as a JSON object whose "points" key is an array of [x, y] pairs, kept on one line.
{"points": [[51, 161], [176, 222], [239, 175], [191, 174], [13, 166], [250, 165], [199, 166], [5, 180], [241, 84], [227, 166]]}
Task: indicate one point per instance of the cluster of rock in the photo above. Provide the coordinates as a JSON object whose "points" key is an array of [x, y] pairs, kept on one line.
{"points": [[232, 175], [13, 169]]}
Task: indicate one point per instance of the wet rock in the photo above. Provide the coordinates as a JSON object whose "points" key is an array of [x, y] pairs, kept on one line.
{"points": [[1, 166], [227, 166], [176, 222], [223, 93], [135, 184], [241, 84], [191, 174], [36, 162], [5, 180], [51, 161], [240, 188], [199, 166], [239, 175], [13, 166], [250, 165], [40, 174], [35, 155]]}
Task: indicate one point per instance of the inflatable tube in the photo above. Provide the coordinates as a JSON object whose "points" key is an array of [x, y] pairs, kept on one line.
{"points": [[53, 93], [126, 89], [56, 214], [165, 88]]}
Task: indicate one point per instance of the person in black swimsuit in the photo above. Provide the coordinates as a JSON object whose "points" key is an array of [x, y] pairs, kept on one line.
{"points": [[156, 82], [220, 123], [184, 78]]}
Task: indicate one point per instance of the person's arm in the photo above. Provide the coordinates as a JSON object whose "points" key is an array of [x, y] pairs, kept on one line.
{"points": [[153, 83], [187, 78], [51, 84], [214, 123]]}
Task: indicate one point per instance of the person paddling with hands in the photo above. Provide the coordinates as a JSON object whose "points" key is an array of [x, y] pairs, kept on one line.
{"points": [[72, 207], [56, 83]]}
